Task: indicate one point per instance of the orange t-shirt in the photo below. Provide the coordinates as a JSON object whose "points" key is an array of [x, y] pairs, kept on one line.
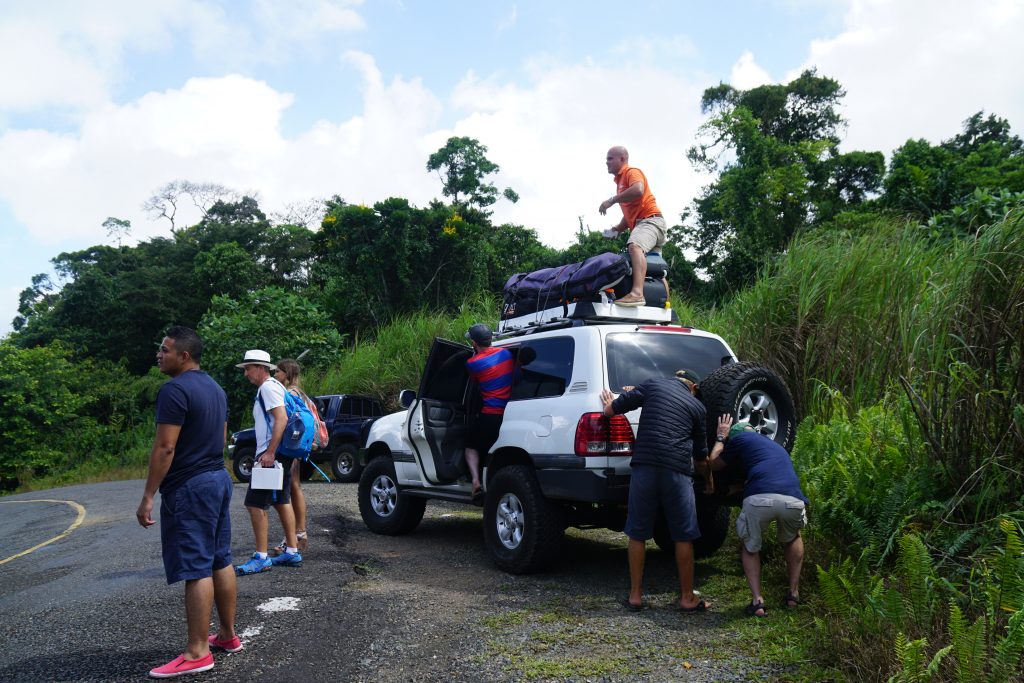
{"points": [[640, 208]]}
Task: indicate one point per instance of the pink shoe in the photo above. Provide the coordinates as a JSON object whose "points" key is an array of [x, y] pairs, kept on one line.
{"points": [[233, 645], [179, 666]]}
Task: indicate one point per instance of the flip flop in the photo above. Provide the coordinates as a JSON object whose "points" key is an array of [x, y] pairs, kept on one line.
{"points": [[699, 607], [630, 606], [477, 498]]}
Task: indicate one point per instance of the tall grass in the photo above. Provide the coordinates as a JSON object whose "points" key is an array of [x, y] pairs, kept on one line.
{"points": [[394, 358]]}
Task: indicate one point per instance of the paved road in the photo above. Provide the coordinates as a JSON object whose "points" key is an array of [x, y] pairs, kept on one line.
{"points": [[426, 608], [94, 605]]}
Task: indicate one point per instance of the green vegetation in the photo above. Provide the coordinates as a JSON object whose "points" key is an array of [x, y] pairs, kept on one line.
{"points": [[890, 298]]}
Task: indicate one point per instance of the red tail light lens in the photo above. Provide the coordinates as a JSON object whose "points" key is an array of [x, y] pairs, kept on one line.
{"points": [[598, 434]]}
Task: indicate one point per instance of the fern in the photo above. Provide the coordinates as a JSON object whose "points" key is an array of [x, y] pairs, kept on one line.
{"points": [[917, 573], [1006, 660], [911, 654], [968, 646]]}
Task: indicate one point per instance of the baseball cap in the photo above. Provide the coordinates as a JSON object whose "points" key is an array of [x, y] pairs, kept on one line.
{"points": [[479, 333]]}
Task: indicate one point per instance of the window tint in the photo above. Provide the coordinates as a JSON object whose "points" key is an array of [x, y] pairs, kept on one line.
{"points": [[446, 378], [634, 357], [543, 368], [346, 406]]}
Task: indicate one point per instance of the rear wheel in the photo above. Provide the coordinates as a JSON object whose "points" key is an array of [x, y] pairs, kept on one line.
{"points": [[242, 463], [383, 506], [345, 463], [523, 530], [713, 521]]}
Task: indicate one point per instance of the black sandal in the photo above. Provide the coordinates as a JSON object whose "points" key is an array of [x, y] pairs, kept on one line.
{"points": [[753, 608], [791, 598]]}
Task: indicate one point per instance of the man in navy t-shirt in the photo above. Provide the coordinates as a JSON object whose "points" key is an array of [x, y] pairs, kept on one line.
{"points": [[771, 493], [187, 465]]}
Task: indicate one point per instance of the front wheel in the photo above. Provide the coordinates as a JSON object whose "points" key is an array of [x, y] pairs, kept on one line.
{"points": [[345, 463], [383, 506], [242, 463], [523, 530]]}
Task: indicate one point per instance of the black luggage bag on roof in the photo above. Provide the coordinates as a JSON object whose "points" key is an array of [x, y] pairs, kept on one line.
{"points": [[526, 293]]}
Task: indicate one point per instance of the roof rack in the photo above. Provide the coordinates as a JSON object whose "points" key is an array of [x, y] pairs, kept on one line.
{"points": [[584, 313]]}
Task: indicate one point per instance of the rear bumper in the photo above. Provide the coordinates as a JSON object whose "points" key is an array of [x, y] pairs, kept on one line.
{"points": [[589, 486]]}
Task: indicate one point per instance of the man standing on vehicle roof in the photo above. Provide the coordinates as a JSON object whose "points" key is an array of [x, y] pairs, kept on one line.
{"points": [[187, 464], [772, 492], [492, 370], [640, 215], [670, 435]]}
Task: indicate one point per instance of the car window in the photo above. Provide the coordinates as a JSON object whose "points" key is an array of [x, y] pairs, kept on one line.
{"points": [[543, 367], [635, 357], [445, 377], [346, 406]]}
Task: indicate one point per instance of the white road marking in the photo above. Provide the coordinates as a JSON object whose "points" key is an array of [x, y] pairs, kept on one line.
{"points": [[279, 605]]}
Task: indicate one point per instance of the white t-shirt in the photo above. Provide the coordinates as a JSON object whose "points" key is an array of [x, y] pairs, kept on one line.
{"points": [[272, 392]]}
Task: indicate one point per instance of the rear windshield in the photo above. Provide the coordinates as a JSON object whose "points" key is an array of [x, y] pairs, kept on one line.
{"points": [[634, 357]]}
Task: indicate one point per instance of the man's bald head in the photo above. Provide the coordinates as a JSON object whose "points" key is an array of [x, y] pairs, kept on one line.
{"points": [[616, 158]]}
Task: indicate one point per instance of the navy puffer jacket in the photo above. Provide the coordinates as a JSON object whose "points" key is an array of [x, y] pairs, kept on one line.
{"points": [[672, 428]]}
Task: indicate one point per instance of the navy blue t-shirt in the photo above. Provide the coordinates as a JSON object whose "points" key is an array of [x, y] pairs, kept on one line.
{"points": [[196, 402], [768, 465]]}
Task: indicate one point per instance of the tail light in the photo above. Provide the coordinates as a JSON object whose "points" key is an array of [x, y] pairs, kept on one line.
{"points": [[598, 434]]}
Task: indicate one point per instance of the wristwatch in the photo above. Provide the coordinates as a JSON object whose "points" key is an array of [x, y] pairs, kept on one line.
{"points": [[719, 438]]}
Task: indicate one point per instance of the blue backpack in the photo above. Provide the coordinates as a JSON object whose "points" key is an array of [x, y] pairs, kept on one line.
{"points": [[299, 431]]}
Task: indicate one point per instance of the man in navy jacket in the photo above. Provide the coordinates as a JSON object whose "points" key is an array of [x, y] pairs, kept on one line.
{"points": [[670, 435]]}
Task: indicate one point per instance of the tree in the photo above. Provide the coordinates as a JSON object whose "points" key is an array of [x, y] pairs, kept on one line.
{"points": [[164, 203], [280, 322], [926, 179], [784, 172], [462, 166], [117, 228]]}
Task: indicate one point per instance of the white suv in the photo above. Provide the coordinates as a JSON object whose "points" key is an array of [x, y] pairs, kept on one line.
{"points": [[558, 461]]}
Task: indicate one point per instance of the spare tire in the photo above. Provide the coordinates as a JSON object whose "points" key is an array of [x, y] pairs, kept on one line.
{"points": [[752, 394]]}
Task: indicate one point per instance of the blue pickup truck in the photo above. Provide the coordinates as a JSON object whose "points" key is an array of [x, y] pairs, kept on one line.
{"points": [[348, 418]]}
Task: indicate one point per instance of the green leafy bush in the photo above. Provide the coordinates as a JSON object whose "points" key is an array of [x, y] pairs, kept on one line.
{"points": [[282, 323]]}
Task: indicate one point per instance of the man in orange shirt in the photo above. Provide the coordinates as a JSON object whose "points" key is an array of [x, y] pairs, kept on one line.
{"points": [[640, 215]]}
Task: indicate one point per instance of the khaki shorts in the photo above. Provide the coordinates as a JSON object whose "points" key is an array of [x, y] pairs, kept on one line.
{"points": [[648, 234], [762, 509]]}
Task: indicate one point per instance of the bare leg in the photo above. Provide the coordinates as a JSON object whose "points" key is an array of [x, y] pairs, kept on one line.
{"points": [[794, 563], [287, 515], [638, 260], [298, 498], [225, 594], [473, 461], [198, 605], [637, 554], [684, 564], [752, 570], [259, 528]]}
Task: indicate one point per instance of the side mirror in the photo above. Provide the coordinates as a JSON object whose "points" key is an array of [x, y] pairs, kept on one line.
{"points": [[406, 397]]}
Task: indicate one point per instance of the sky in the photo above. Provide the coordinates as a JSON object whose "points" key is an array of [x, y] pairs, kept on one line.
{"points": [[103, 103]]}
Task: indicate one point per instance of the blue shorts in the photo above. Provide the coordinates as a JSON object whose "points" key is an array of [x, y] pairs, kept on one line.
{"points": [[656, 488], [195, 527]]}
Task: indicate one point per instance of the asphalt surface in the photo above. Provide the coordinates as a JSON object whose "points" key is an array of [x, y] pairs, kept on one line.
{"points": [[429, 607], [95, 606]]}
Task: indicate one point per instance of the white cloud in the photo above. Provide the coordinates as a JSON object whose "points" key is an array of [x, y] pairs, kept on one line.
{"points": [[918, 68], [509, 21], [747, 74], [550, 139], [67, 53], [224, 130]]}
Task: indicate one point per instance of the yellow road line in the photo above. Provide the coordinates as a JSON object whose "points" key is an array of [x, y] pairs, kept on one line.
{"points": [[77, 522]]}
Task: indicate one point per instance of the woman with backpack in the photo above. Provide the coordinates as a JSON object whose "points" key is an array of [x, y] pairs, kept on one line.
{"points": [[288, 374]]}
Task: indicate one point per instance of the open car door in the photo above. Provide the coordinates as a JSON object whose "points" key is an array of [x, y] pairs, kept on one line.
{"points": [[437, 424]]}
